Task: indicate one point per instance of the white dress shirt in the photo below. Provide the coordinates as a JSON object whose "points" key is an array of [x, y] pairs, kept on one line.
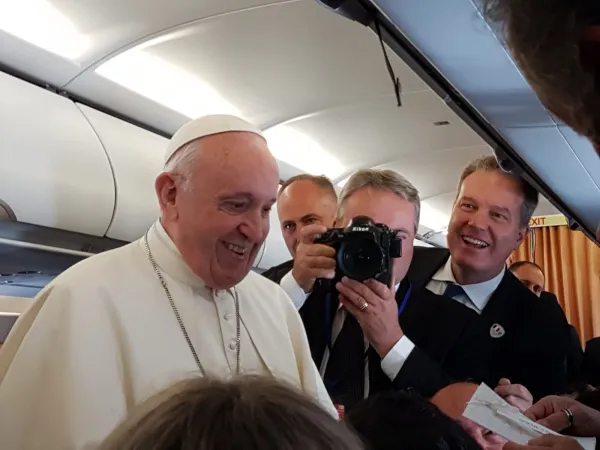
{"points": [[476, 297]]}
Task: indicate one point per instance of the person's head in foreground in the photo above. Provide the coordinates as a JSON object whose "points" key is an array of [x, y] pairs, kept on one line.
{"points": [[453, 400], [556, 44], [490, 219], [530, 274], [397, 420], [247, 413], [215, 195]]}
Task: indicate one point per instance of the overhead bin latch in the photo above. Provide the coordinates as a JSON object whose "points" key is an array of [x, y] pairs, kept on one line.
{"points": [[350, 9], [506, 163]]}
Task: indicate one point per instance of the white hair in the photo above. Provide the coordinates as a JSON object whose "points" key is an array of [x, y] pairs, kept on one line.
{"points": [[183, 162], [387, 180]]}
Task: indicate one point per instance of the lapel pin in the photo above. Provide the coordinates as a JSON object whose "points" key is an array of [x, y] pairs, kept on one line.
{"points": [[497, 331]]}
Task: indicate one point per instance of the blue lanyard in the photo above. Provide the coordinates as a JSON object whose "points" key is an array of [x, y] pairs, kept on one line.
{"points": [[328, 313]]}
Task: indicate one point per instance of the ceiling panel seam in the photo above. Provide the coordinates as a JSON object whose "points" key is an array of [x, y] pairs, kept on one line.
{"points": [[146, 39], [317, 111], [578, 159], [411, 155]]}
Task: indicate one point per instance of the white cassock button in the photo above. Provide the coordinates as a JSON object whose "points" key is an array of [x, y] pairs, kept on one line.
{"points": [[233, 345], [227, 316]]}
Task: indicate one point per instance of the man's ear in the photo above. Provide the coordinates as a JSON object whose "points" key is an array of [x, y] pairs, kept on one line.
{"points": [[523, 233], [166, 192]]}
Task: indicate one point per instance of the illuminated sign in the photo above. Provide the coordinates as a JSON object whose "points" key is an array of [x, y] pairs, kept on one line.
{"points": [[548, 221]]}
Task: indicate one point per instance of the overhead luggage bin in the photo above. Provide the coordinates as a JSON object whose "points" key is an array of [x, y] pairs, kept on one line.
{"points": [[54, 171], [136, 157]]}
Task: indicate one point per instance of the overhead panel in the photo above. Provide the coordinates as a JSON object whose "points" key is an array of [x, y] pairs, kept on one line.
{"points": [[557, 165], [54, 171], [456, 39], [55, 40], [272, 68], [136, 157], [470, 54], [343, 139]]}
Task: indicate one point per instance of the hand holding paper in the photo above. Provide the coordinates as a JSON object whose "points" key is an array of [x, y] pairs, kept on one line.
{"points": [[549, 412], [489, 410], [515, 394]]}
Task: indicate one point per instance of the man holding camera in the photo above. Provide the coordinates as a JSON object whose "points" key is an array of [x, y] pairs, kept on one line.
{"points": [[302, 200], [355, 336], [457, 314]]}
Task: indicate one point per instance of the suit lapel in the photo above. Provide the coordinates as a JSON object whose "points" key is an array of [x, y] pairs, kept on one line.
{"points": [[313, 314], [504, 311], [421, 308], [435, 323], [426, 262]]}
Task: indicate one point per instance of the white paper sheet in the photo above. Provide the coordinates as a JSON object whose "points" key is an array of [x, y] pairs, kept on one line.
{"points": [[490, 411]]}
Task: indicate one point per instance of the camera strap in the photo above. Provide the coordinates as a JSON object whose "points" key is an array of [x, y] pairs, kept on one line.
{"points": [[329, 313]]}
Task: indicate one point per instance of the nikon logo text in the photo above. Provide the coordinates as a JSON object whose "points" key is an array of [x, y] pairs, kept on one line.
{"points": [[360, 229]]}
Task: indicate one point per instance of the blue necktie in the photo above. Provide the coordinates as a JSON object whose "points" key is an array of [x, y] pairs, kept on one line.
{"points": [[454, 290]]}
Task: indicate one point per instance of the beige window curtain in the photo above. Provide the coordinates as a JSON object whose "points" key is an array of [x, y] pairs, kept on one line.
{"points": [[571, 263]]}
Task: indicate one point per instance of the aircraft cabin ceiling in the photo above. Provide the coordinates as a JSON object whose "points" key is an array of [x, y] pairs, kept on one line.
{"points": [[315, 81], [453, 37]]}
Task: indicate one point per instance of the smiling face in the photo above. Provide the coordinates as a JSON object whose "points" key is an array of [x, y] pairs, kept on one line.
{"points": [[304, 203], [485, 227], [219, 217]]}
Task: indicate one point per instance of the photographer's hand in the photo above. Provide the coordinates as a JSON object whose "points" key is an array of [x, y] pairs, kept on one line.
{"points": [[312, 261], [379, 319]]}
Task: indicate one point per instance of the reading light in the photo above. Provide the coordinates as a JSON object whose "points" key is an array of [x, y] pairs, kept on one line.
{"points": [[41, 24], [166, 84], [299, 150]]}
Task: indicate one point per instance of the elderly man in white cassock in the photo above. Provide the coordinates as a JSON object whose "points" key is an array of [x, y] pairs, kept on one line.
{"points": [[180, 302]]}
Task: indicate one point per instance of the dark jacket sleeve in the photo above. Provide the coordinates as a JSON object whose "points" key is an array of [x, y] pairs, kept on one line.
{"points": [[421, 373], [541, 366], [276, 273], [548, 374], [271, 274]]}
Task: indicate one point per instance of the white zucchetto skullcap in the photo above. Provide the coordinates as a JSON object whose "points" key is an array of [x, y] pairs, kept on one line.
{"points": [[207, 126]]}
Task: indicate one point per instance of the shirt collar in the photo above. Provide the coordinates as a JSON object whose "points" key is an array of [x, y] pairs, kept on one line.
{"points": [[479, 293], [169, 259]]}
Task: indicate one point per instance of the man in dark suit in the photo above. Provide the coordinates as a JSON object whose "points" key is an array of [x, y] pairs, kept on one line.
{"points": [[461, 316], [530, 274], [469, 317], [304, 200], [534, 279], [338, 341]]}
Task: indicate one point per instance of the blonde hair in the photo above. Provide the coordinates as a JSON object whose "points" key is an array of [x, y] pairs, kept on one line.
{"points": [[250, 413]]}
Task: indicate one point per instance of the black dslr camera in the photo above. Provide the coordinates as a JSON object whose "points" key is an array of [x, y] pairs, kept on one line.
{"points": [[364, 250]]}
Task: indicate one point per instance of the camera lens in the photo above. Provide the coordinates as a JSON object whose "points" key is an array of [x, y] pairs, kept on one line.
{"points": [[359, 259]]}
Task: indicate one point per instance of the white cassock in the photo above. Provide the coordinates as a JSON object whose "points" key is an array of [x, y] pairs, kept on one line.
{"points": [[102, 337]]}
